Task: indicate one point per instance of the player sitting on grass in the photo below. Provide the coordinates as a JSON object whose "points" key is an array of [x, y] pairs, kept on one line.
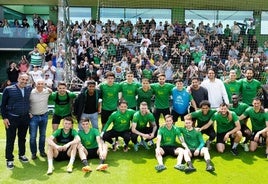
{"points": [[62, 145], [91, 146], [166, 144], [195, 146]]}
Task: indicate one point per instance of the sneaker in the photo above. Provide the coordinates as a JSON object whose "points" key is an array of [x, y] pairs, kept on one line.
{"points": [[160, 168], [144, 144], [43, 154], [180, 167], [150, 143], [10, 164], [69, 168], [86, 169], [50, 170], [234, 151], [210, 168], [125, 149], [102, 167], [189, 169], [136, 147], [245, 146], [23, 159], [34, 156]]}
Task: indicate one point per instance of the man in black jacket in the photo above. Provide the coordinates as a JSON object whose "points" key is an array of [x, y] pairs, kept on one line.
{"points": [[88, 104]]}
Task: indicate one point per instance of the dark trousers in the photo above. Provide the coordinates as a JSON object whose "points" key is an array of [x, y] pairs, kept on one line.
{"points": [[18, 125], [105, 116], [158, 112], [109, 135]]}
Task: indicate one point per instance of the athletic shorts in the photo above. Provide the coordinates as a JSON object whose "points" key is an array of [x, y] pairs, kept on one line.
{"points": [[92, 153], [169, 150], [56, 119], [220, 137], [62, 156]]}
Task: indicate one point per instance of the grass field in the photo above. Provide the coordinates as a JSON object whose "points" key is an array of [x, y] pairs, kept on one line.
{"points": [[138, 167]]}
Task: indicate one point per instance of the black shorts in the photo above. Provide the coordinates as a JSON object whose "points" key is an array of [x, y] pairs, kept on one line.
{"points": [[62, 156], [169, 150], [220, 137], [253, 135], [56, 119], [92, 153]]}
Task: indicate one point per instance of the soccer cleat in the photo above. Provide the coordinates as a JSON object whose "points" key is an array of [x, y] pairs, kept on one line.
{"points": [[150, 143], [34, 156], [160, 168], [180, 167], [50, 170], [125, 149], [210, 168], [245, 146], [102, 167], [69, 168], [43, 154], [136, 147], [23, 159], [115, 146], [86, 169], [10, 164], [144, 144], [234, 151], [190, 169]]}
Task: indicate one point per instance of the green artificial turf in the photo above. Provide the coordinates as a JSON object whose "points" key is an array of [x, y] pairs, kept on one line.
{"points": [[138, 167]]}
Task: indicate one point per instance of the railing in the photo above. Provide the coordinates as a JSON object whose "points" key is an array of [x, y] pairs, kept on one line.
{"points": [[12, 32]]}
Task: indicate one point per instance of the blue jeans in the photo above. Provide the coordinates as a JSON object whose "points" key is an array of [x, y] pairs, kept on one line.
{"points": [[41, 122], [92, 117]]}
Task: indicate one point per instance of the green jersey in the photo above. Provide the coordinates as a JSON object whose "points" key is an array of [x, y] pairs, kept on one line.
{"points": [[121, 121], [109, 96], [89, 140], [168, 137], [162, 94], [145, 96], [258, 119], [129, 92], [201, 118], [239, 109], [192, 138], [249, 90], [223, 123], [62, 103], [148, 74], [233, 87], [63, 138], [142, 120]]}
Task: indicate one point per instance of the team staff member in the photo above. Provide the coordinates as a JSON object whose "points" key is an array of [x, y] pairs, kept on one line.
{"points": [[62, 145], [91, 146], [166, 144], [195, 146], [228, 126], [88, 104], [39, 117], [63, 102], [15, 113], [259, 123], [140, 126], [121, 125], [162, 93], [203, 115]]}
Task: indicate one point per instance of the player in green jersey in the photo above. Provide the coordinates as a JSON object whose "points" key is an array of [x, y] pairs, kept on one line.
{"points": [[232, 86], [140, 127], [91, 146], [259, 124], [145, 93], [121, 125], [62, 145], [166, 144], [228, 126], [195, 146]]}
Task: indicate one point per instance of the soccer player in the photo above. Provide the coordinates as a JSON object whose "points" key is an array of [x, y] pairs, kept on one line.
{"points": [[121, 125], [62, 99], [162, 92], [91, 146], [259, 122], [203, 115], [239, 108], [145, 93], [180, 101], [140, 127], [195, 146], [62, 145], [232, 86], [228, 126], [166, 144]]}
